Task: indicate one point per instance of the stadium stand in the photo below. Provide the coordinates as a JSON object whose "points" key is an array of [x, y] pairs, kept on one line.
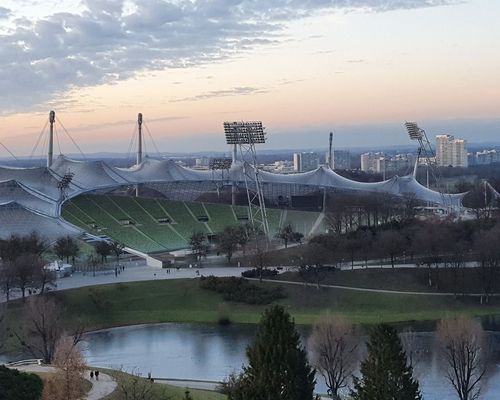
{"points": [[152, 225]]}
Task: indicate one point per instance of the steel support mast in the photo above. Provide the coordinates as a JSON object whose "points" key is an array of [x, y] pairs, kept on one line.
{"points": [[50, 155], [246, 135]]}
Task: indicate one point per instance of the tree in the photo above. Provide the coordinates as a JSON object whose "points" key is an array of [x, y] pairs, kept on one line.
{"points": [[334, 350], [41, 328], [136, 387], [44, 277], [287, 235], [67, 384], [385, 373], [15, 385], [463, 346], [7, 277], [277, 363], [117, 249], [228, 241], [103, 249], [392, 244], [314, 258], [26, 268], [199, 244], [66, 247]]}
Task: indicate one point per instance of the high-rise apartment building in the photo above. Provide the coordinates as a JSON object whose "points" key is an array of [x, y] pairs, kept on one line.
{"points": [[369, 161], [451, 151], [306, 161], [341, 159]]}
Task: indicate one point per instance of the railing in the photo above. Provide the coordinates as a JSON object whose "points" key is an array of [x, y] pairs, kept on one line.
{"points": [[20, 363]]}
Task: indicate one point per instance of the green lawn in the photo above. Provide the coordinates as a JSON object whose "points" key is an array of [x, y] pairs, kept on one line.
{"points": [[159, 391], [183, 301], [449, 280]]}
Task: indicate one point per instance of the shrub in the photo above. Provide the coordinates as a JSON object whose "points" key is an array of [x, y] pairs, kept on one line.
{"points": [[240, 290], [254, 273], [15, 385]]}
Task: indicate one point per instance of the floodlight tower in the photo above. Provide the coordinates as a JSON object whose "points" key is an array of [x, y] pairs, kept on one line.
{"points": [[330, 152], [245, 135], [222, 165], [425, 150], [139, 141], [50, 155]]}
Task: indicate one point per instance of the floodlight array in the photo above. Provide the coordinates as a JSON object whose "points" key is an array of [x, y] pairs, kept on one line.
{"points": [[414, 131], [220, 163], [66, 180], [244, 132]]}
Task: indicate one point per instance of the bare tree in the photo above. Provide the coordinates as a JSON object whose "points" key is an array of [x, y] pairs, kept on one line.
{"points": [[7, 278], [26, 268], [67, 384], [137, 387], [463, 346], [44, 277], [392, 244], [334, 351], [41, 328], [314, 257]]}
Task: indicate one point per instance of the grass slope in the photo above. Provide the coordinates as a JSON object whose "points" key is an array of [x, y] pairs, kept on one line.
{"points": [[183, 301], [160, 390]]}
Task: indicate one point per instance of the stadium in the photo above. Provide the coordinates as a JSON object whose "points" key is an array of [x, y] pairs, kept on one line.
{"points": [[156, 205]]}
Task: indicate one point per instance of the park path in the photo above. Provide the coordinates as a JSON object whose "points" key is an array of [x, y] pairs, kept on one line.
{"points": [[359, 289], [100, 389]]}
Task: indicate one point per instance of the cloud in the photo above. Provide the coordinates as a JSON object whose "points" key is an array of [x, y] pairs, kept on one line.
{"points": [[104, 42], [4, 13], [237, 91]]}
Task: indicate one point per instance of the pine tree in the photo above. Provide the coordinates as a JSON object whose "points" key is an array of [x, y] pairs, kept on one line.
{"points": [[385, 372], [278, 368]]}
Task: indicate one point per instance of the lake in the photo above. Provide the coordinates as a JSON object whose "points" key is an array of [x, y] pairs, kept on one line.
{"points": [[211, 352]]}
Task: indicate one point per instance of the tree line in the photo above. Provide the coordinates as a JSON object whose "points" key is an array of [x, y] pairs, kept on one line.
{"points": [[434, 244], [379, 369]]}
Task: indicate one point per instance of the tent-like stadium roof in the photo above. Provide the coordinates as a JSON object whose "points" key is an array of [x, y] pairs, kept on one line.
{"points": [[35, 190]]}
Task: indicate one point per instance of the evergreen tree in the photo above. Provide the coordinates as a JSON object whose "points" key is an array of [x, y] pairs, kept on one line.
{"points": [[278, 368], [386, 374]]}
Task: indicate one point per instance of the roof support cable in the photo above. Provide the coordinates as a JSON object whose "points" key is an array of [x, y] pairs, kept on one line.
{"points": [[8, 151], [71, 138], [57, 137], [38, 140], [152, 139], [132, 142]]}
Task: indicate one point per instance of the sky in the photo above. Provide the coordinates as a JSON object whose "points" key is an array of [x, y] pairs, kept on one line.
{"points": [[359, 68]]}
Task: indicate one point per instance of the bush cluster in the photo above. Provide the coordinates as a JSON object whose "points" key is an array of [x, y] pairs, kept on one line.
{"points": [[240, 290], [254, 273]]}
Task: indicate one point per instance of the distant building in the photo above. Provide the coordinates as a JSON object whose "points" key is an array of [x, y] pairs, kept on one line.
{"points": [[341, 159], [296, 162], [451, 152], [486, 157], [305, 161], [369, 161]]}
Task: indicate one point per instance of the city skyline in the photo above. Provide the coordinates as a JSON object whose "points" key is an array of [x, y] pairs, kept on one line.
{"points": [[359, 71]]}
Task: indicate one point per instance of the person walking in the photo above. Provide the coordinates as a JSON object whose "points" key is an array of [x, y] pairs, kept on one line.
{"points": [[91, 374], [97, 375]]}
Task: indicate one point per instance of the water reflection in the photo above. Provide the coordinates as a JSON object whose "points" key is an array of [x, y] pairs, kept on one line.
{"points": [[211, 352]]}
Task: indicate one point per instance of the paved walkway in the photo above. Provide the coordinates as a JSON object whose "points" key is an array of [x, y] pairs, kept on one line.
{"points": [[133, 273], [100, 389], [358, 289]]}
